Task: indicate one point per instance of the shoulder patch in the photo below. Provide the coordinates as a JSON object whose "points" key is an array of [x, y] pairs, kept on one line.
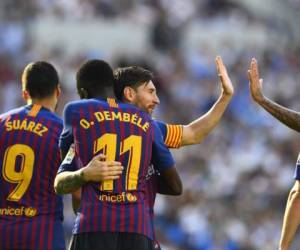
{"points": [[70, 155]]}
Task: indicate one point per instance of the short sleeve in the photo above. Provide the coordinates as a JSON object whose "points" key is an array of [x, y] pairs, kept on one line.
{"points": [[162, 158], [69, 163], [66, 138], [172, 134]]}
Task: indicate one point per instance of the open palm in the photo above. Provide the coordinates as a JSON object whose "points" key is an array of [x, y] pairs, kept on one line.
{"points": [[255, 83], [227, 86]]}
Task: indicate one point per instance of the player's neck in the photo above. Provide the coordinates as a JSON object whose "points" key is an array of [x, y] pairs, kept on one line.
{"points": [[48, 103], [125, 100], [105, 93]]}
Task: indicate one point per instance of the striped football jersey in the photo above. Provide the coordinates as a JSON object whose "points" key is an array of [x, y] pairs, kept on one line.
{"points": [[30, 212], [123, 133]]}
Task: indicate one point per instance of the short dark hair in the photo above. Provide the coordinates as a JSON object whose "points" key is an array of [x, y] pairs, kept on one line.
{"points": [[40, 79], [133, 77], [94, 76]]}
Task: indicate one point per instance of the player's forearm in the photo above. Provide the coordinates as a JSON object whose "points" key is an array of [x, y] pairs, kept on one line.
{"points": [[167, 189], [69, 182], [291, 220], [197, 130], [169, 182], [76, 198], [287, 116]]}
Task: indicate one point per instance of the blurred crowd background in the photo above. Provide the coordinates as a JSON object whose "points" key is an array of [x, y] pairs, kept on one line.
{"points": [[237, 180]]}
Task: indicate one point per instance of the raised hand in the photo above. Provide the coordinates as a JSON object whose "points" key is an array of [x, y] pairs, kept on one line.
{"points": [[255, 83], [226, 83]]}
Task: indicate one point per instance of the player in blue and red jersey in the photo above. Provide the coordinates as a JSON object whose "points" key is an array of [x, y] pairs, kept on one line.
{"points": [[174, 136], [31, 213], [112, 214]]}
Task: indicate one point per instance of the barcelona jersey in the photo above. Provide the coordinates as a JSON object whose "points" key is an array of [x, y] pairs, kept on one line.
{"points": [[172, 135], [123, 133], [30, 212]]}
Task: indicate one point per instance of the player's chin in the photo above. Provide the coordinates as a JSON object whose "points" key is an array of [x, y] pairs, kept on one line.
{"points": [[150, 111]]}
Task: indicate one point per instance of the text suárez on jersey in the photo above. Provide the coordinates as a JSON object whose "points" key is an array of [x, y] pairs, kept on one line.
{"points": [[31, 126]]}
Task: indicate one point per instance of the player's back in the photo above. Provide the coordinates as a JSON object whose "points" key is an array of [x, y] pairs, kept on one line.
{"points": [[120, 131], [29, 159], [123, 133]]}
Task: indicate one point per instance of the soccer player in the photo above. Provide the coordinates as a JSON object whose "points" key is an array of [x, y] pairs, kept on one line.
{"points": [[30, 211], [290, 118], [146, 99], [143, 95], [112, 214]]}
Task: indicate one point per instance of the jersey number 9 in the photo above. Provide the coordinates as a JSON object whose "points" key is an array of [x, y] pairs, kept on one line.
{"points": [[22, 177]]}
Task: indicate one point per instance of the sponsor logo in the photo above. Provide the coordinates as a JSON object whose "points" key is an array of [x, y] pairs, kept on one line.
{"points": [[18, 211], [30, 212], [118, 198], [131, 197]]}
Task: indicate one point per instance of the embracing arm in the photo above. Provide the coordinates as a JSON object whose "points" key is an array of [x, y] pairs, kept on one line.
{"points": [[68, 182], [291, 218], [287, 116], [169, 182], [97, 170], [197, 130], [76, 198]]}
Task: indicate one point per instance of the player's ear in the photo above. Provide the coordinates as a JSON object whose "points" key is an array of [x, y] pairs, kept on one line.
{"points": [[58, 90], [25, 95], [83, 94], [129, 94]]}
